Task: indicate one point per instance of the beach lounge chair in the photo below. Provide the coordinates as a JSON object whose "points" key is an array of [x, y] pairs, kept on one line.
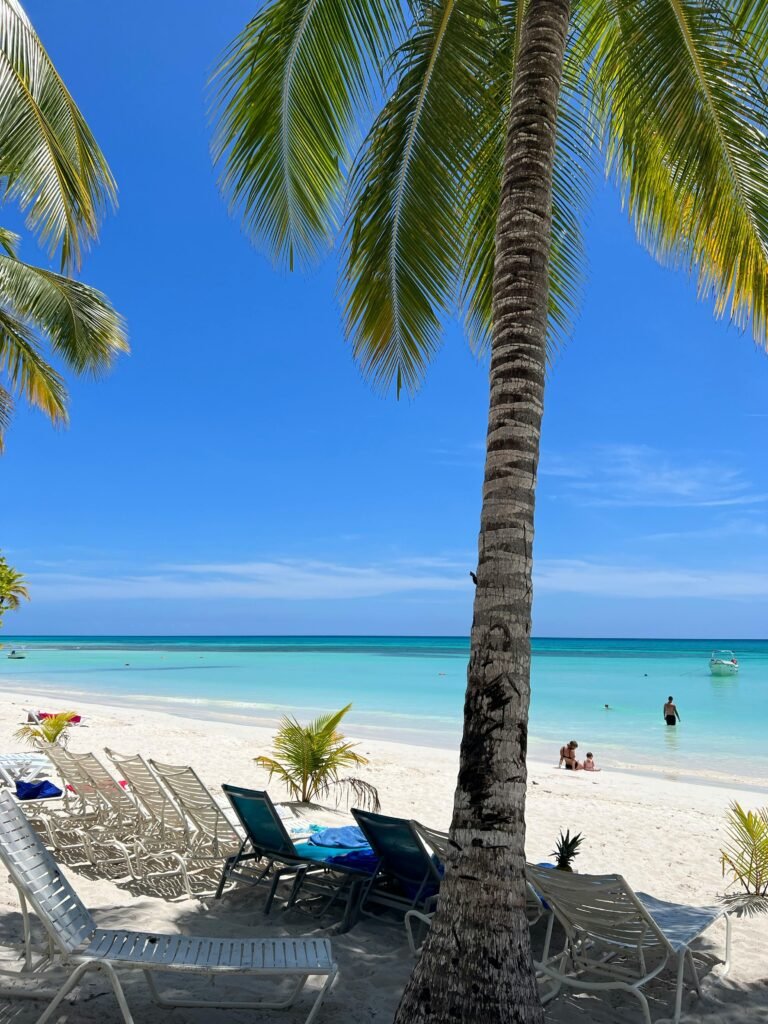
{"points": [[618, 939], [26, 766], [83, 947], [173, 840], [215, 832], [410, 870], [268, 853]]}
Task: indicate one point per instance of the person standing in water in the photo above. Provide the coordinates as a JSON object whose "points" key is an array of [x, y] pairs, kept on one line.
{"points": [[671, 714]]}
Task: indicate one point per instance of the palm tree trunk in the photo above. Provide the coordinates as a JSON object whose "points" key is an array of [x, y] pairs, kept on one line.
{"points": [[476, 967]]}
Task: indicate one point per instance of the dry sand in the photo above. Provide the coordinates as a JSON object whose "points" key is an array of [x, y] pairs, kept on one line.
{"points": [[663, 835]]}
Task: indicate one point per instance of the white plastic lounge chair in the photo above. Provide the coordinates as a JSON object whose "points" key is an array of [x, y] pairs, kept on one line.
{"points": [[26, 766], [619, 939], [84, 947], [215, 832], [175, 846]]}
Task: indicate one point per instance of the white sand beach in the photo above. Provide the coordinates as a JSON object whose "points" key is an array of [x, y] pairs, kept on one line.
{"points": [[663, 835]]}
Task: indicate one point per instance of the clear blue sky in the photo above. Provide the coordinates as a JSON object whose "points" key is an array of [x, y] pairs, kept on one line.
{"points": [[235, 474]]}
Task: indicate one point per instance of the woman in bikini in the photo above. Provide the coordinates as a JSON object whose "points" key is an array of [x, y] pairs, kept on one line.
{"points": [[568, 755]]}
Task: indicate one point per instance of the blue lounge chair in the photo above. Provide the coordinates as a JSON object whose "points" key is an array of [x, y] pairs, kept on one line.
{"points": [[268, 852], [409, 871]]}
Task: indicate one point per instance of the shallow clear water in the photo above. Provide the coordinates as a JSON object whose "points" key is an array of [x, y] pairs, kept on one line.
{"points": [[411, 688]]}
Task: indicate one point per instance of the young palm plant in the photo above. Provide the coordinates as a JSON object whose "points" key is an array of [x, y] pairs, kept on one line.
{"points": [[309, 760], [52, 167], [52, 730], [469, 190], [745, 858]]}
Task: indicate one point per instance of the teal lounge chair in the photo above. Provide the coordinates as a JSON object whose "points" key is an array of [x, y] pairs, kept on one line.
{"points": [[269, 853], [409, 871]]}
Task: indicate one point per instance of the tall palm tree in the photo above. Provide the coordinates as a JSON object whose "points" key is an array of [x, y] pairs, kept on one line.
{"points": [[52, 167], [468, 189], [13, 587]]}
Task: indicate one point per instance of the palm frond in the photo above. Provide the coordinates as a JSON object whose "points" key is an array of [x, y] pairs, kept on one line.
{"points": [[50, 161], [356, 791], [28, 372], [687, 137], [9, 241], [291, 88], [82, 327], [405, 227]]}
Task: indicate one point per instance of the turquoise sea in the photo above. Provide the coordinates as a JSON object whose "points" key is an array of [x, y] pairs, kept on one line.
{"points": [[411, 689]]}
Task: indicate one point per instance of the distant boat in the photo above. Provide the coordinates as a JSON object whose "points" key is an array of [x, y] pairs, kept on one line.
{"points": [[17, 655], [723, 663]]}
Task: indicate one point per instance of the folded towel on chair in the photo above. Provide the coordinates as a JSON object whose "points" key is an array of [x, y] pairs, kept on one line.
{"points": [[348, 837]]}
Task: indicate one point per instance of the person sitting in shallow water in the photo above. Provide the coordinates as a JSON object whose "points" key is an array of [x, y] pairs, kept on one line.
{"points": [[589, 763], [568, 756]]}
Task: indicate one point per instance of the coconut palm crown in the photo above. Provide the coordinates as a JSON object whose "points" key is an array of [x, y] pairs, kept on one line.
{"points": [[465, 190], [13, 588], [52, 167]]}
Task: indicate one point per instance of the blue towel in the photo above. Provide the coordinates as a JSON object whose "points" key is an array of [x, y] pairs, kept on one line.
{"points": [[361, 860], [41, 790], [349, 837]]}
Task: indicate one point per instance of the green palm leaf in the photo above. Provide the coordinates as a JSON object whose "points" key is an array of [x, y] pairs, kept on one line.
{"points": [[405, 230], [82, 327], [29, 374], [290, 90], [687, 135], [50, 162]]}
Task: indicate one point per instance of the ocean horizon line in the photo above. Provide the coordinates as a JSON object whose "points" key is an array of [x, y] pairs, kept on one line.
{"points": [[4, 638]]}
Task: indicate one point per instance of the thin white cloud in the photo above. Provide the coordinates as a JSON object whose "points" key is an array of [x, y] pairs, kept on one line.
{"points": [[642, 477], [278, 580], [574, 576], [738, 527]]}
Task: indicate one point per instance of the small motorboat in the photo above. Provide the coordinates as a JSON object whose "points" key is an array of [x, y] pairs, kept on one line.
{"points": [[723, 663], [17, 655]]}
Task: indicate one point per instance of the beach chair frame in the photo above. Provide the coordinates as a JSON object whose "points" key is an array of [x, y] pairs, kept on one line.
{"points": [[611, 934], [80, 945]]}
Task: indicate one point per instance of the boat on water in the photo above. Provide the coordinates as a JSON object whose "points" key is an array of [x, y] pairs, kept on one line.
{"points": [[723, 663], [16, 655]]}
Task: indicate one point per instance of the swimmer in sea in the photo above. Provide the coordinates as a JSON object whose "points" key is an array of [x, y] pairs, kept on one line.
{"points": [[671, 714]]}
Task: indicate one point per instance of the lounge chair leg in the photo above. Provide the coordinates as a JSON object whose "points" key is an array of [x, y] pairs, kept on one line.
{"points": [[694, 972], [727, 964], [321, 996], [679, 989], [67, 987], [548, 937], [644, 1004], [117, 988]]}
